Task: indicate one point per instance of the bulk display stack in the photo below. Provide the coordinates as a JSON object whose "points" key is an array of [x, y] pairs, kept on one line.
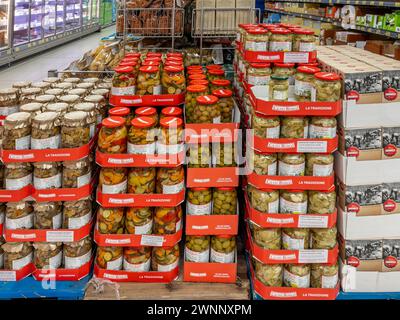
{"points": [[289, 191], [49, 176], [141, 185], [212, 135], [367, 168]]}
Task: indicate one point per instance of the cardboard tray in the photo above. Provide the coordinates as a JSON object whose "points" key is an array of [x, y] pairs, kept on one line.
{"points": [[208, 132], [16, 275], [209, 272], [160, 100], [15, 195], [285, 57], [212, 177], [63, 274]]}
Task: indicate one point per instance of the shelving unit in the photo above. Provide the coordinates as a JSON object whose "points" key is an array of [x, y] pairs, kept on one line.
{"points": [[391, 4]]}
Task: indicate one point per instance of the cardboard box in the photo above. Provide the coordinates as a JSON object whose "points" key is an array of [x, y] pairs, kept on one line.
{"points": [[208, 16], [381, 22], [361, 20], [371, 20], [225, 19], [244, 16]]}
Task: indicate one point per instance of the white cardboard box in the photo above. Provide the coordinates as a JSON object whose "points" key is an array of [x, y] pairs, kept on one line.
{"points": [[353, 227], [368, 281], [353, 172]]}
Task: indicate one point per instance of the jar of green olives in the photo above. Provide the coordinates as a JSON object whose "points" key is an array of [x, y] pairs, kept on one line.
{"points": [[197, 248], [207, 110], [199, 155], [199, 201], [223, 249], [192, 93], [279, 88], [303, 40], [224, 201], [225, 104]]}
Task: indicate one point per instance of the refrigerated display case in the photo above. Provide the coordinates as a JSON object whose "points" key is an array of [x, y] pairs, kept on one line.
{"points": [[4, 24], [49, 18]]}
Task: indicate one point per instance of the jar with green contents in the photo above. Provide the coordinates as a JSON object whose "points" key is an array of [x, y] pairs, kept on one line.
{"points": [[258, 74], [303, 40], [109, 258], [206, 110], [224, 201], [266, 238], [225, 104], [256, 39], [324, 275], [224, 154], [304, 82], [291, 164], [137, 259], [223, 249], [262, 164], [294, 127], [295, 238], [214, 74], [327, 86], [199, 201], [199, 155], [279, 88], [293, 201], [139, 220], [280, 40], [286, 70], [322, 202], [269, 274], [265, 126], [264, 200], [296, 275], [319, 164], [324, 238], [192, 93], [322, 127], [197, 248]]}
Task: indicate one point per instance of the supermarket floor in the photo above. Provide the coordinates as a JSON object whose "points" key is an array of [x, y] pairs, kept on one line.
{"points": [[35, 68]]}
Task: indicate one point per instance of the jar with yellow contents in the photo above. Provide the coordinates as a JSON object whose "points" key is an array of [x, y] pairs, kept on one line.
{"points": [[165, 259], [141, 136], [173, 80], [142, 180], [170, 180], [139, 220], [150, 112], [148, 81], [166, 220], [193, 92], [171, 136]]}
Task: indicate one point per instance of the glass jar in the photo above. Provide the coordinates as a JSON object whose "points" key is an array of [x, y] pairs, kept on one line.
{"points": [[80, 92], [70, 99], [17, 175], [199, 201], [214, 74], [75, 131], [262, 164], [303, 40], [17, 131], [319, 164], [147, 112], [78, 253], [139, 220], [85, 85], [197, 248], [264, 200], [322, 128], [265, 126], [47, 255], [99, 92], [170, 180], [291, 164], [124, 81], [207, 110], [123, 112], [46, 132], [304, 82], [224, 201], [223, 249], [166, 220], [47, 215], [225, 154], [225, 104], [165, 259], [111, 220], [256, 39], [266, 238], [294, 127], [19, 215], [295, 238], [113, 180], [279, 88], [41, 85], [258, 74], [47, 175], [26, 95], [113, 136], [296, 275], [280, 40], [175, 112], [17, 255], [324, 275], [328, 86], [109, 258], [148, 81], [141, 136], [193, 92], [54, 92], [173, 80], [2, 241], [73, 80], [21, 84], [171, 131], [199, 82], [293, 201], [77, 214], [9, 101], [91, 113], [60, 108], [33, 108], [219, 84], [199, 155], [101, 105], [324, 238], [91, 80], [322, 202], [137, 259], [284, 70], [45, 99], [64, 85], [270, 275], [77, 173], [142, 180]]}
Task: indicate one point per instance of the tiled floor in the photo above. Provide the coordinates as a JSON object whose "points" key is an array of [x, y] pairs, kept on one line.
{"points": [[36, 67]]}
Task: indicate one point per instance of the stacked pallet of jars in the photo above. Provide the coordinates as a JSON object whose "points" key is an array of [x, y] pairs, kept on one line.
{"points": [[141, 185], [212, 177], [48, 177], [289, 191]]}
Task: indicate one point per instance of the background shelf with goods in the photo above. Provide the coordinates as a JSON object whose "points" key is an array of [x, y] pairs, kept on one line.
{"points": [[107, 15]]}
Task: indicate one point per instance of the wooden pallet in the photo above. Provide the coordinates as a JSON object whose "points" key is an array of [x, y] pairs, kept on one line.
{"points": [[177, 290]]}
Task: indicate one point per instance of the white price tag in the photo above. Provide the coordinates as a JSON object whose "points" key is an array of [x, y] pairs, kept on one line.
{"points": [[313, 256], [8, 276], [295, 57], [152, 241], [309, 221], [59, 236], [312, 146]]}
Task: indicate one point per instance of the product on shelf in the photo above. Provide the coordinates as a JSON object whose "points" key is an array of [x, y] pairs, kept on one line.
{"points": [[17, 255], [47, 215], [197, 248], [223, 249], [47, 255]]}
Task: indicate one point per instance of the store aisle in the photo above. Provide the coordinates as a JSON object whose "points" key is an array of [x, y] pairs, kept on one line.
{"points": [[35, 68]]}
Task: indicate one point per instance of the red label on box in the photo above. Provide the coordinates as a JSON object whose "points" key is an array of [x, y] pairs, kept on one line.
{"points": [[209, 272], [208, 132], [15, 195], [17, 275], [63, 274], [129, 276], [389, 205], [212, 224], [353, 261], [390, 262], [390, 150], [287, 57], [212, 177], [63, 194], [147, 100], [390, 94]]}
